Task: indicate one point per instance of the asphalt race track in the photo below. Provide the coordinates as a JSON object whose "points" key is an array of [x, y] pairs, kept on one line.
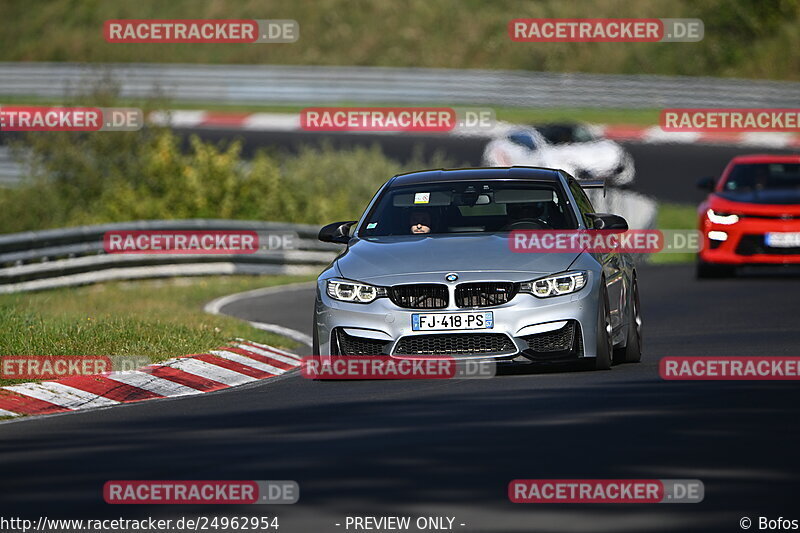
{"points": [[450, 447]]}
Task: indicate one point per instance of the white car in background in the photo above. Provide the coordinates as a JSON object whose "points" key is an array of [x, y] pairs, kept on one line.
{"points": [[574, 148], [584, 154]]}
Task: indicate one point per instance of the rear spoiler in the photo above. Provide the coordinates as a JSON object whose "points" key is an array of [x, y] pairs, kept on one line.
{"points": [[594, 184]]}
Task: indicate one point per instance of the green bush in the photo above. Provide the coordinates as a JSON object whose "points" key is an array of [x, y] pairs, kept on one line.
{"points": [[119, 176]]}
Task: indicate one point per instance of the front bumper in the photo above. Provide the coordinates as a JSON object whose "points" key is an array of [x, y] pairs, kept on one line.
{"points": [[745, 242], [526, 326]]}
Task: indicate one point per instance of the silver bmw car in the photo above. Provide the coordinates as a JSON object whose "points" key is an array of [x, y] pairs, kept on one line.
{"points": [[428, 271]]}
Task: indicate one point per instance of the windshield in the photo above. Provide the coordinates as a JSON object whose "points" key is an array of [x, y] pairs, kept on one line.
{"points": [[763, 176], [566, 133], [468, 207]]}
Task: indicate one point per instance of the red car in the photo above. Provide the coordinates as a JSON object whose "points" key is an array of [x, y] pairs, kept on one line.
{"points": [[751, 216]]}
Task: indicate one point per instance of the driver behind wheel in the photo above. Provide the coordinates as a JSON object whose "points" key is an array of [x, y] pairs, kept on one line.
{"points": [[420, 221], [518, 214]]}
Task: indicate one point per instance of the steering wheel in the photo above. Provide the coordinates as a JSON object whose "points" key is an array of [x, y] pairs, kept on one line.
{"points": [[528, 223]]}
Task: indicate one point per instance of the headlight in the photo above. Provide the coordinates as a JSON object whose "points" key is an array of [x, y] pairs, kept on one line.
{"points": [[722, 218], [557, 285], [350, 291]]}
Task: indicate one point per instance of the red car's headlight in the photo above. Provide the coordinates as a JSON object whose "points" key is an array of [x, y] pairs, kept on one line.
{"points": [[722, 218]]}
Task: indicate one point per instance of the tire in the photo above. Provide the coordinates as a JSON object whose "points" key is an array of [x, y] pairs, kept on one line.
{"points": [[605, 348], [713, 271], [632, 352]]}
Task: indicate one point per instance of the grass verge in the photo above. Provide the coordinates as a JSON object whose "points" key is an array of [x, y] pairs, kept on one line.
{"points": [[675, 216], [157, 319], [646, 117]]}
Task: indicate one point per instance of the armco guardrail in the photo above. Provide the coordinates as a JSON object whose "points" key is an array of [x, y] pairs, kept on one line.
{"points": [[10, 170], [237, 84], [75, 256]]}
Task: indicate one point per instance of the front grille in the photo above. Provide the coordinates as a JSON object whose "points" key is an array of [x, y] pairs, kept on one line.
{"points": [[561, 340], [485, 294], [350, 345], [752, 244], [455, 344], [419, 296]]}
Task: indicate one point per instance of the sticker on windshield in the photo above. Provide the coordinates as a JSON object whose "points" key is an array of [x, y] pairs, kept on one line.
{"points": [[371, 225], [422, 197]]}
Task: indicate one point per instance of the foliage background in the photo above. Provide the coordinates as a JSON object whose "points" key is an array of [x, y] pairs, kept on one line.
{"points": [[743, 38]]}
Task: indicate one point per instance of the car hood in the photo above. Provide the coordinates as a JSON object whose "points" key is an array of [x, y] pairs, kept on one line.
{"points": [[413, 258], [600, 158]]}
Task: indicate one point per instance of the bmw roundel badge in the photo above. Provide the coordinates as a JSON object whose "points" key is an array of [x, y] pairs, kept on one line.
{"points": [[451, 277]]}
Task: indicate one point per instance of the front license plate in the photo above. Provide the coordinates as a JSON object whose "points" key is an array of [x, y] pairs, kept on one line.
{"points": [[452, 321], [783, 240]]}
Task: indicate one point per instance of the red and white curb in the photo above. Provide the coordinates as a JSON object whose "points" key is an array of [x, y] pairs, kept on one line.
{"points": [[290, 122], [239, 363], [655, 135]]}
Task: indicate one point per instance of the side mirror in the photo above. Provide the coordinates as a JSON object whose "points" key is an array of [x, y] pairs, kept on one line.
{"points": [[706, 183], [337, 232], [607, 221]]}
